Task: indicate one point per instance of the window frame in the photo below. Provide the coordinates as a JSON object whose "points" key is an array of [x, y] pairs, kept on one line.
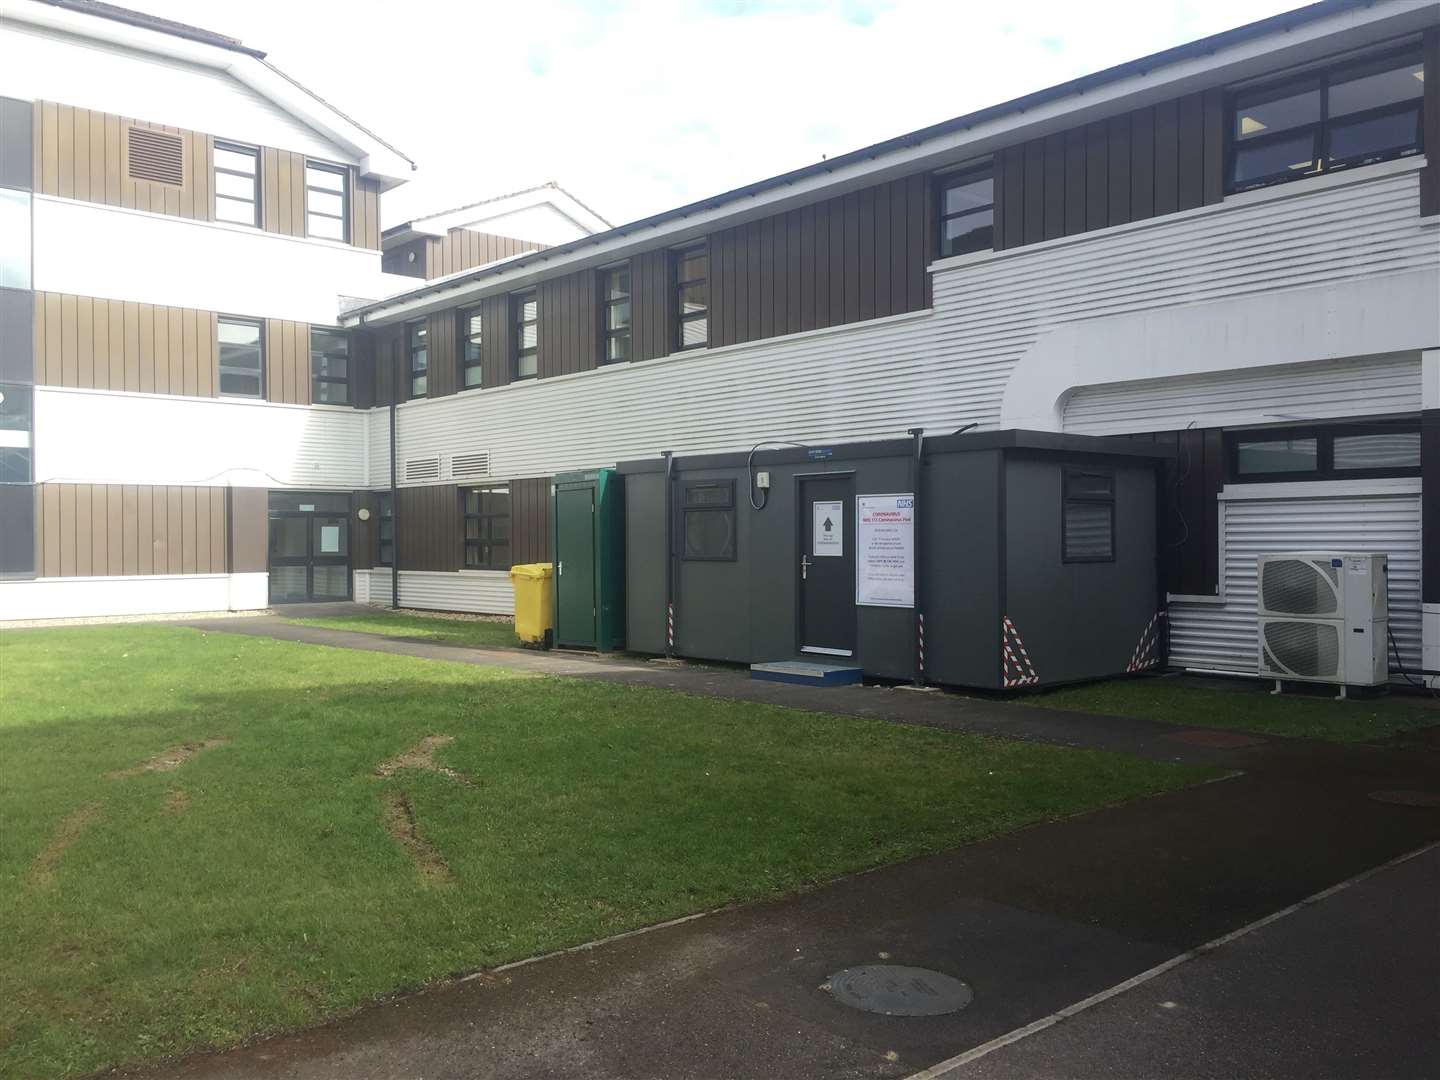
{"points": [[384, 512], [944, 181], [480, 543], [1324, 436], [342, 171], [517, 327], [1066, 498], [411, 351], [330, 380], [727, 485], [607, 334], [256, 179], [678, 260], [220, 367], [467, 338], [1321, 78]]}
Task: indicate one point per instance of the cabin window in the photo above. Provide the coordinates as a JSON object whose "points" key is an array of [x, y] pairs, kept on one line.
{"points": [[1324, 121], [966, 211], [237, 184], [242, 357], [709, 521], [526, 311], [692, 297], [1087, 532], [615, 296]]}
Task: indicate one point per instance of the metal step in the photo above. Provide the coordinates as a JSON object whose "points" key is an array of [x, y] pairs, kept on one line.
{"points": [[807, 673]]}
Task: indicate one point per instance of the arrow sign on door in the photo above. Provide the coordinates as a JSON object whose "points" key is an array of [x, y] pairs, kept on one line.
{"points": [[826, 538], [829, 524]]}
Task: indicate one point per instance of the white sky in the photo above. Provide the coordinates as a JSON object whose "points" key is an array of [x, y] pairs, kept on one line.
{"points": [[637, 107]]}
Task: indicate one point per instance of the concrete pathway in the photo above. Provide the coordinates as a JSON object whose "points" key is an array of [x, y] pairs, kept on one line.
{"points": [[1144, 738]]}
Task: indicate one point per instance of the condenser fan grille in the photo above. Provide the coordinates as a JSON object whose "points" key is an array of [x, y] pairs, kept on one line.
{"points": [[1304, 648], [1299, 587]]}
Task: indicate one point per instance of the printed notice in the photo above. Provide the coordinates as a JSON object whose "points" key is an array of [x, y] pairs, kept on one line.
{"points": [[329, 539], [885, 542], [828, 528]]}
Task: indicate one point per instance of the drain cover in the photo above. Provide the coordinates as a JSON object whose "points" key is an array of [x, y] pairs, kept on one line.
{"points": [[1407, 798], [893, 990]]}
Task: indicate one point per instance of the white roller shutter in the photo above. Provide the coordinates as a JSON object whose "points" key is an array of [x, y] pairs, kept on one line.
{"points": [[1221, 636]]}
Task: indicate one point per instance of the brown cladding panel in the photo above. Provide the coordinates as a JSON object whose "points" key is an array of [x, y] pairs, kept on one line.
{"points": [[530, 520], [428, 529], [650, 302], [249, 530], [112, 530], [1191, 138], [362, 533], [495, 348]]}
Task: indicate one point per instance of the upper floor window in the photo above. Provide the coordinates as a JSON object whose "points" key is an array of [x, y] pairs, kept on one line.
{"points": [[1357, 114], [14, 239], [329, 366], [967, 211], [242, 357], [692, 297], [325, 201], [237, 184], [615, 294], [527, 334], [1335, 452], [472, 337], [384, 529], [417, 343], [487, 528]]}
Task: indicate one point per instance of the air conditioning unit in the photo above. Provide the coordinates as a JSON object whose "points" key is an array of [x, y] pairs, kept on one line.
{"points": [[1323, 618]]}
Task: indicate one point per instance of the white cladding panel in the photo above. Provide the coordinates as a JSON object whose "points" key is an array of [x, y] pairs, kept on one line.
{"points": [[1222, 636], [54, 66], [1318, 391], [158, 259], [485, 592], [165, 594], [941, 368], [110, 437]]}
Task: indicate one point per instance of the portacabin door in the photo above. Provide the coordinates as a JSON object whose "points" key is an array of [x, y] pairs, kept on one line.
{"points": [[827, 565], [575, 606]]}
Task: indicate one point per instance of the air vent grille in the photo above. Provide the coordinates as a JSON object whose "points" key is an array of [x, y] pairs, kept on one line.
{"points": [[470, 466], [426, 468], [1310, 649], [1299, 587], [155, 156]]}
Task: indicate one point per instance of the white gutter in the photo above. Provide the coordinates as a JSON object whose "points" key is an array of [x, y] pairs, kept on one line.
{"points": [[1346, 29]]}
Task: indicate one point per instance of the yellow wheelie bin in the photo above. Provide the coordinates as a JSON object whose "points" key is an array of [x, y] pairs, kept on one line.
{"points": [[534, 602]]}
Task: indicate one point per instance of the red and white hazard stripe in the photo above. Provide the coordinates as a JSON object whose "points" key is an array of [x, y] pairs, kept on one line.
{"points": [[1017, 669], [920, 641], [670, 625], [1147, 649]]}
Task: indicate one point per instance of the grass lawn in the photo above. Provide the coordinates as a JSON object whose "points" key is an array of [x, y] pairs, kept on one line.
{"points": [[210, 836], [479, 633], [1309, 713]]}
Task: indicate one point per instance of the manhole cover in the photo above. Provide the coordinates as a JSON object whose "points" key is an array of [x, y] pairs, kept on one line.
{"points": [[1407, 798], [894, 990]]}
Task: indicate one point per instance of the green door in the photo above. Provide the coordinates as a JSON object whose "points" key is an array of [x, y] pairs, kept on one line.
{"points": [[575, 566]]}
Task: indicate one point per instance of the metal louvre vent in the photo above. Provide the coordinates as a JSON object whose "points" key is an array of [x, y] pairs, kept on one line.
{"points": [[1299, 587], [1310, 649], [426, 468], [155, 156], [470, 466]]}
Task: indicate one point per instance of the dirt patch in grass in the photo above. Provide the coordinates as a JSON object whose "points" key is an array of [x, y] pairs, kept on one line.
{"points": [[422, 756], [170, 759], [404, 829], [47, 862], [177, 802]]}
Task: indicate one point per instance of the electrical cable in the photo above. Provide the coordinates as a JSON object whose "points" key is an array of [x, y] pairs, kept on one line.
{"points": [[750, 469], [1400, 664], [1181, 476]]}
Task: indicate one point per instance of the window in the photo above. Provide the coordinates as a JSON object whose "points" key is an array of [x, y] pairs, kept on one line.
{"points": [[709, 524], [325, 201], [1337, 452], [692, 297], [967, 212], [1353, 115], [242, 358], [329, 366], [237, 184], [615, 295], [14, 239], [417, 339], [471, 335], [1087, 528], [527, 334], [17, 405], [487, 528], [384, 529]]}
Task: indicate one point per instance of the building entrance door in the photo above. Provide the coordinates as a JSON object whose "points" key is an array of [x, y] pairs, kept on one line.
{"points": [[309, 547], [827, 565]]}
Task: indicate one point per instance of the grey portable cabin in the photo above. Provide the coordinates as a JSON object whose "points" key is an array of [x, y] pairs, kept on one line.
{"points": [[999, 560]]}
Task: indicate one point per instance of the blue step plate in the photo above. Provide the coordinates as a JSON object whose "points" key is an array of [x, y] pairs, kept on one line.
{"points": [[805, 673]]}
